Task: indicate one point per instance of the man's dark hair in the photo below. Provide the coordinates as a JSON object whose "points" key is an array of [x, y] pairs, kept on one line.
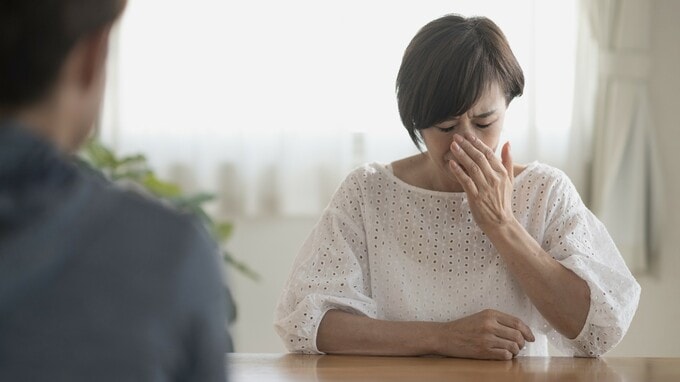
{"points": [[447, 67], [35, 38]]}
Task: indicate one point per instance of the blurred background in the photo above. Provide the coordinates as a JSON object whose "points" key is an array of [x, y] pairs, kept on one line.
{"points": [[270, 104]]}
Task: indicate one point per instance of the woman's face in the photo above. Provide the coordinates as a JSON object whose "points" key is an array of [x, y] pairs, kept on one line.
{"points": [[484, 120]]}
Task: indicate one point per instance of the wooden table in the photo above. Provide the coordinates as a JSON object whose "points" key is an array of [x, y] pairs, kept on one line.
{"points": [[299, 368]]}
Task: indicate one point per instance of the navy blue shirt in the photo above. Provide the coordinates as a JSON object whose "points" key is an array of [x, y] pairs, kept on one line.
{"points": [[100, 284]]}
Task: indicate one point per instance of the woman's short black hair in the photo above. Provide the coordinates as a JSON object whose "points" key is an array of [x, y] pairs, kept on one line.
{"points": [[35, 38], [448, 65]]}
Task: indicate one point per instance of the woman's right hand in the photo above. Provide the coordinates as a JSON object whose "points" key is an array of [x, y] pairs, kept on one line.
{"points": [[488, 334]]}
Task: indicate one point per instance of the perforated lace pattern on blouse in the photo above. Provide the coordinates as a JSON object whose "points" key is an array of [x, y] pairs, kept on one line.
{"points": [[392, 251]]}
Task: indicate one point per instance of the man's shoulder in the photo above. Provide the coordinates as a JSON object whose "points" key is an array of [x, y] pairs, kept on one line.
{"points": [[131, 218]]}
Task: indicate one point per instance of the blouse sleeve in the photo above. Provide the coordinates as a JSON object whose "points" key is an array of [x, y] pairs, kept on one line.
{"points": [[331, 271], [581, 243]]}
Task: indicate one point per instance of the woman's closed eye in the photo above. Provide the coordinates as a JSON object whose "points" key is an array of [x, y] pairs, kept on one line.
{"points": [[450, 128], [485, 124], [446, 129]]}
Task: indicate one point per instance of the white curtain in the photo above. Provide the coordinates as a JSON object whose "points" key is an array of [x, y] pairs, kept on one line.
{"points": [[270, 104], [612, 107]]}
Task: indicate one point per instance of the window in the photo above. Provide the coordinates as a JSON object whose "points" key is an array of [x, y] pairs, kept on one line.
{"points": [[271, 104]]}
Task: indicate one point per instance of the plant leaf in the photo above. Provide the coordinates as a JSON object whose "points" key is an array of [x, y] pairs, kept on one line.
{"points": [[137, 175], [222, 230], [160, 188], [193, 202], [100, 156], [137, 159], [241, 267]]}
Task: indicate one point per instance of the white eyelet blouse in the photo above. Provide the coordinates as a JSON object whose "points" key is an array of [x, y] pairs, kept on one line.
{"points": [[392, 251]]}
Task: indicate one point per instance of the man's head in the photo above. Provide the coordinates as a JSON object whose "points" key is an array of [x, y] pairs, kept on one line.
{"points": [[52, 63]]}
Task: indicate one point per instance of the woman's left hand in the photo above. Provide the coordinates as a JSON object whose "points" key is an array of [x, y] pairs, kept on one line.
{"points": [[487, 181]]}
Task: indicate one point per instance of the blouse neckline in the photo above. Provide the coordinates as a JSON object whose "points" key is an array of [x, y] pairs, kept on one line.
{"points": [[389, 172]]}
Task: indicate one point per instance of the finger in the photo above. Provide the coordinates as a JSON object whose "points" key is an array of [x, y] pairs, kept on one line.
{"points": [[474, 148], [501, 354], [473, 170], [506, 157], [510, 334], [510, 346], [468, 184], [491, 159], [516, 323]]}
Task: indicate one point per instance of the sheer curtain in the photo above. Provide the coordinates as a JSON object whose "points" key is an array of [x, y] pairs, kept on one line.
{"points": [[270, 104], [613, 131]]}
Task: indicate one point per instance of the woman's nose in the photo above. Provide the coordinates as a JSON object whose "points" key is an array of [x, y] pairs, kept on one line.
{"points": [[465, 129]]}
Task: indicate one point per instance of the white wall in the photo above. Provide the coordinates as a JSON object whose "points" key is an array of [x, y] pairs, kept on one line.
{"points": [[269, 245]]}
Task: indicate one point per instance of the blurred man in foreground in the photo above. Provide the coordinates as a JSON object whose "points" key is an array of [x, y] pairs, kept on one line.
{"points": [[96, 284]]}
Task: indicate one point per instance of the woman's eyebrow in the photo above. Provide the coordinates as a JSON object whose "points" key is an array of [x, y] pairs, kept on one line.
{"points": [[485, 114]]}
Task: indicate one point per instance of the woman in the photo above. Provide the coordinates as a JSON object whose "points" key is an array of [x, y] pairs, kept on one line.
{"points": [[454, 251]]}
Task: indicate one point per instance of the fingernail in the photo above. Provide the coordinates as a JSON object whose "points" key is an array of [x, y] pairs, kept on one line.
{"points": [[455, 146], [458, 138]]}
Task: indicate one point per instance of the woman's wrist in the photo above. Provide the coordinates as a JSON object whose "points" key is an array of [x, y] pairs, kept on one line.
{"points": [[522, 253], [505, 231], [433, 340]]}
